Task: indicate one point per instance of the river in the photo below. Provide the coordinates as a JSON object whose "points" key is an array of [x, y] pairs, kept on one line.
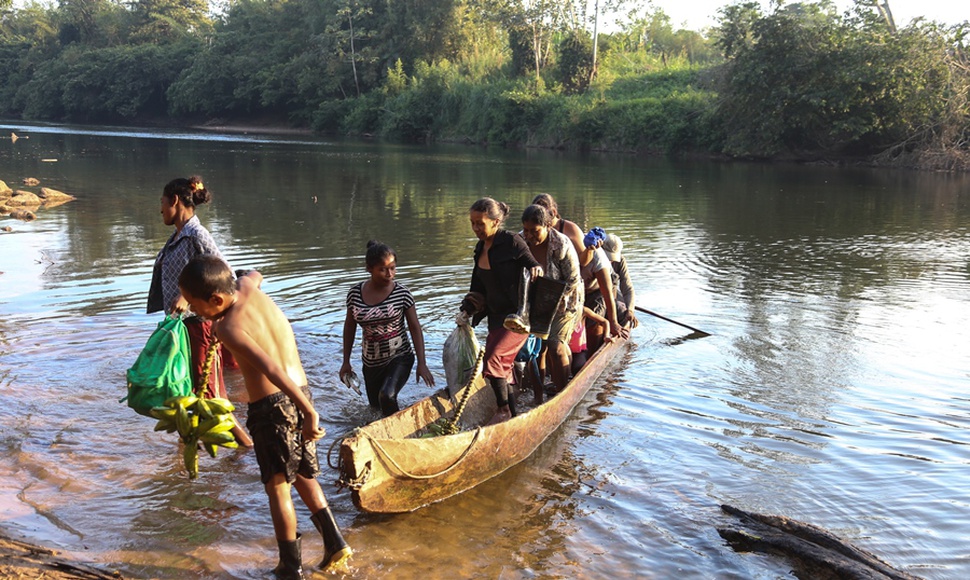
{"points": [[832, 390]]}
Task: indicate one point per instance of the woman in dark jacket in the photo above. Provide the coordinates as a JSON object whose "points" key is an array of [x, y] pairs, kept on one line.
{"points": [[497, 289]]}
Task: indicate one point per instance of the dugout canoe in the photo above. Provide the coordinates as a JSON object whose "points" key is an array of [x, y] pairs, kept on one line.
{"points": [[392, 465]]}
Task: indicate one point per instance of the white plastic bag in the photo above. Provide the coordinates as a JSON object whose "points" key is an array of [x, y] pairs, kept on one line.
{"points": [[460, 354]]}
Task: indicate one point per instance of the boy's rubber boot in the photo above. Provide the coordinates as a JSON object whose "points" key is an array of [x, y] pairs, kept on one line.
{"points": [[519, 322], [335, 550], [291, 560]]}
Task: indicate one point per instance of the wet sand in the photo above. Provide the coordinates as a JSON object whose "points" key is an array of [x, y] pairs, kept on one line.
{"points": [[20, 559]]}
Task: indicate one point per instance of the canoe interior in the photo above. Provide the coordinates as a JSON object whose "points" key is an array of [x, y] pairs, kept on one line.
{"points": [[397, 464]]}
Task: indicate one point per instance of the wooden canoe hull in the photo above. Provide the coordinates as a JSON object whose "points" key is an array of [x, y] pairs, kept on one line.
{"points": [[390, 468]]}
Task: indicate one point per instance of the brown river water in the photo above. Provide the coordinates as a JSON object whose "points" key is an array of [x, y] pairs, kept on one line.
{"points": [[833, 390]]}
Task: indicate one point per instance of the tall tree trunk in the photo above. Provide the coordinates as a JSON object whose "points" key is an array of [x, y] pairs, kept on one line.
{"points": [[888, 15], [353, 55], [536, 47], [596, 24]]}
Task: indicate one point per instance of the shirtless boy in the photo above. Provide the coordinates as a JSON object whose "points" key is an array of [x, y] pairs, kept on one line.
{"points": [[281, 418]]}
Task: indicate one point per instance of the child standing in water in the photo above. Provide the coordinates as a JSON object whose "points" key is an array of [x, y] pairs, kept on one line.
{"points": [[381, 306], [281, 418]]}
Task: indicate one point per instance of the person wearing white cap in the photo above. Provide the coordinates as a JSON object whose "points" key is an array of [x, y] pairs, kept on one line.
{"points": [[613, 247]]}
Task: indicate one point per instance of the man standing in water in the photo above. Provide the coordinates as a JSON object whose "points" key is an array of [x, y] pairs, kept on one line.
{"points": [[282, 421]]}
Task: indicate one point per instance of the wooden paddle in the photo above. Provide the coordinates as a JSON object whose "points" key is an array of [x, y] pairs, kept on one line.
{"points": [[651, 313]]}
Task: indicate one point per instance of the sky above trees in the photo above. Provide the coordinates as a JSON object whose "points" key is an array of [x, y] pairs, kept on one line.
{"points": [[698, 14]]}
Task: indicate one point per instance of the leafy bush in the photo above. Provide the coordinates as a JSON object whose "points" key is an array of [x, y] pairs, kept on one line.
{"points": [[809, 81], [680, 121], [422, 111], [364, 115], [574, 66]]}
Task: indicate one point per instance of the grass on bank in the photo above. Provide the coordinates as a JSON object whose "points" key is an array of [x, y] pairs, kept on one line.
{"points": [[663, 110]]}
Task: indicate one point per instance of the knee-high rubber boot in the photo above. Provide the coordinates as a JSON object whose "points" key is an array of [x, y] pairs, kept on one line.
{"points": [[519, 322], [335, 549], [501, 389], [513, 391], [291, 560]]}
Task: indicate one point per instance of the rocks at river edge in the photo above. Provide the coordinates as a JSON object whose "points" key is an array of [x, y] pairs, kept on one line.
{"points": [[23, 198], [52, 195], [22, 204], [23, 215]]}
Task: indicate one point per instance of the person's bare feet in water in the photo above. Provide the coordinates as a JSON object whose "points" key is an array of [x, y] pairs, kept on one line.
{"points": [[503, 414]]}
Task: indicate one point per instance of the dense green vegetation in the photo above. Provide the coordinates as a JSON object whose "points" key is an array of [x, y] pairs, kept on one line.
{"points": [[799, 81]]}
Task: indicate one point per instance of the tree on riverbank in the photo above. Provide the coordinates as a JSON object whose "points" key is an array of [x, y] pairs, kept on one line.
{"points": [[804, 81], [801, 81]]}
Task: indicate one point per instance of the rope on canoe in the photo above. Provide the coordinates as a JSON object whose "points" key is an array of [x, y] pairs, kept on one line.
{"points": [[452, 427], [336, 442], [407, 473], [354, 483], [342, 480]]}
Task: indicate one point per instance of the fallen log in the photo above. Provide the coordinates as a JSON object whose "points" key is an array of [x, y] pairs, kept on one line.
{"points": [[815, 553], [23, 560]]}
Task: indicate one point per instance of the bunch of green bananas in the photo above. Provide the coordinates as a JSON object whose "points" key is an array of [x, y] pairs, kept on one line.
{"points": [[439, 427], [197, 420]]}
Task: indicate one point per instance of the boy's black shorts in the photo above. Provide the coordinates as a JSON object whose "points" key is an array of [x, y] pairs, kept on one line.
{"points": [[276, 426]]}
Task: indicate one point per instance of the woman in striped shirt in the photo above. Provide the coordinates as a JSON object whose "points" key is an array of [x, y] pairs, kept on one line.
{"points": [[381, 306]]}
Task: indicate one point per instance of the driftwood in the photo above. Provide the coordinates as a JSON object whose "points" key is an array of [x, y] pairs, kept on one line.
{"points": [[31, 561], [815, 553]]}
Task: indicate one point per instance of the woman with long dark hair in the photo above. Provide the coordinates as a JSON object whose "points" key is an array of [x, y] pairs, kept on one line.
{"points": [[556, 254], [383, 307], [497, 292], [179, 199]]}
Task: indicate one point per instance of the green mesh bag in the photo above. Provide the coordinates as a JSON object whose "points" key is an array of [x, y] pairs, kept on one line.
{"points": [[163, 369]]}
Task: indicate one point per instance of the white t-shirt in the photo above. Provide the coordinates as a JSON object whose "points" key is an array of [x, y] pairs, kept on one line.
{"points": [[588, 272]]}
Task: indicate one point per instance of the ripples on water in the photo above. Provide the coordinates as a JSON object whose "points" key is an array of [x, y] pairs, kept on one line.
{"points": [[832, 389]]}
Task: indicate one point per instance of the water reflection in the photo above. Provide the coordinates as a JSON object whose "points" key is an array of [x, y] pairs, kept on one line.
{"points": [[832, 387]]}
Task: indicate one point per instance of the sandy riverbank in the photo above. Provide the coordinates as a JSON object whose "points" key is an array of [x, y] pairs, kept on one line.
{"points": [[253, 129], [20, 559]]}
